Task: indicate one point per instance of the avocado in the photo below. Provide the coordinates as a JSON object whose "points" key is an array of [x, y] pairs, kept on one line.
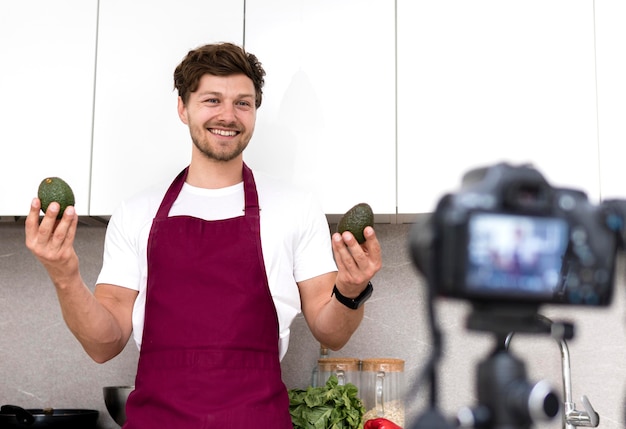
{"points": [[55, 189], [355, 220]]}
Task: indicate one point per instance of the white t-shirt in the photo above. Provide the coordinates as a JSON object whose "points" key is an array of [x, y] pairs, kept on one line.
{"points": [[295, 240]]}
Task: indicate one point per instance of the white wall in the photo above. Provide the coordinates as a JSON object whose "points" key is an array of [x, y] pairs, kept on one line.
{"points": [[487, 81], [138, 138], [328, 117], [48, 54], [376, 101], [611, 65]]}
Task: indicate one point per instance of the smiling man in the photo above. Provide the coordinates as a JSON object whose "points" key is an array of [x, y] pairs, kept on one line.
{"points": [[207, 273], [221, 115]]}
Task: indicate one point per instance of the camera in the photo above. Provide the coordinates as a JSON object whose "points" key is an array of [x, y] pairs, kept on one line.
{"points": [[509, 242], [508, 236]]}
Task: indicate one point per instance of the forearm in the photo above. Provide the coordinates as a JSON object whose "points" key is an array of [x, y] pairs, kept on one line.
{"points": [[91, 323], [102, 329], [331, 321], [336, 323]]}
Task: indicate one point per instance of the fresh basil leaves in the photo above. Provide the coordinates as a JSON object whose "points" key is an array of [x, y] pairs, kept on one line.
{"points": [[326, 407]]}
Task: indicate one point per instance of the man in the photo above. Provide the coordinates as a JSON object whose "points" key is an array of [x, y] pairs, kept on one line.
{"points": [[209, 273]]}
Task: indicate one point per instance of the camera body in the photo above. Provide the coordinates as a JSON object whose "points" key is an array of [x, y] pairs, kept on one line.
{"points": [[509, 237]]}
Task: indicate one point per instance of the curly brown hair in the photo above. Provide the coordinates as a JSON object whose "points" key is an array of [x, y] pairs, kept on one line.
{"points": [[221, 59]]}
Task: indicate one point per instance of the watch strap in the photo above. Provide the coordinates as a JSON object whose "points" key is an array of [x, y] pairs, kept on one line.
{"points": [[354, 303]]}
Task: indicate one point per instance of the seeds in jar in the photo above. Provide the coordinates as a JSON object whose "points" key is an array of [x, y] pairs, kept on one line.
{"points": [[393, 410]]}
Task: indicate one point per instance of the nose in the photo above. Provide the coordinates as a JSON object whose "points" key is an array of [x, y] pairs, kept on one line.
{"points": [[227, 113]]}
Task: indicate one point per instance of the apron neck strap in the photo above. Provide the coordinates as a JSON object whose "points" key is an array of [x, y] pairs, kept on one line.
{"points": [[249, 190]]}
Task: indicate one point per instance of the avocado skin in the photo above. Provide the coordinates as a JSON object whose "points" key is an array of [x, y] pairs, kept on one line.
{"points": [[355, 220], [55, 189]]}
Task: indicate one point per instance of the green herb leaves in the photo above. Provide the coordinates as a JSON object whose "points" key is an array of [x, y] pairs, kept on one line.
{"points": [[326, 407]]}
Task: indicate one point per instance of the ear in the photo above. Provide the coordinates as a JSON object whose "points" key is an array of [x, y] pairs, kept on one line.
{"points": [[182, 111]]}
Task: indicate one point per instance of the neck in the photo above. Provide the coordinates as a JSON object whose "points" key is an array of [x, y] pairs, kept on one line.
{"points": [[211, 174]]}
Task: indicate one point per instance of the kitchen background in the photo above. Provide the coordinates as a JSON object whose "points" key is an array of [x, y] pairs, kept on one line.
{"points": [[43, 365], [387, 102]]}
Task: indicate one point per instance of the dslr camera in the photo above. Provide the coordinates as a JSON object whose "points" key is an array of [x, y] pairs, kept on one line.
{"points": [[508, 237], [509, 242]]}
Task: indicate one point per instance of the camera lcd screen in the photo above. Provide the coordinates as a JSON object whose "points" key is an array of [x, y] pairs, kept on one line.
{"points": [[515, 256]]}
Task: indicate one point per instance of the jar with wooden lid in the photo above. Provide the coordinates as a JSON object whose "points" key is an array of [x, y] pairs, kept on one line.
{"points": [[315, 374], [382, 389], [346, 370]]}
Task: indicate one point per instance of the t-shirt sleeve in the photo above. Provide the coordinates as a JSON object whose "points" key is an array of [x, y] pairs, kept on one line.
{"points": [[120, 262], [313, 251]]}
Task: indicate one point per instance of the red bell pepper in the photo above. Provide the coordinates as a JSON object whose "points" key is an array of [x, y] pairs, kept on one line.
{"points": [[380, 423]]}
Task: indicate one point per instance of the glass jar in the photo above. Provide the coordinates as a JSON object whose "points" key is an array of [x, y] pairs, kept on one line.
{"points": [[315, 374], [382, 382], [346, 370]]}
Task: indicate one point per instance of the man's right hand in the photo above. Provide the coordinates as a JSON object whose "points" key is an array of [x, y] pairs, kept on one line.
{"points": [[101, 321], [52, 241]]}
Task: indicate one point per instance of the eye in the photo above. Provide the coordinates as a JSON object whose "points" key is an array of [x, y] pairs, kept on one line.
{"points": [[245, 104], [211, 100]]}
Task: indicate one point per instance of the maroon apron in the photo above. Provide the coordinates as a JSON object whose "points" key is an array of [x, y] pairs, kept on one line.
{"points": [[209, 356]]}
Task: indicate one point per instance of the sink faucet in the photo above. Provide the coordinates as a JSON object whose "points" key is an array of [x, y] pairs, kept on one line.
{"points": [[572, 417]]}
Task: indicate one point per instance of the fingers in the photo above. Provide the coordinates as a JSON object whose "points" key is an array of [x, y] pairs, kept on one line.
{"points": [[72, 217], [347, 245], [371, 243], [48, 222], [32, 221], [64, 230], [51, 238], [357, 263]]}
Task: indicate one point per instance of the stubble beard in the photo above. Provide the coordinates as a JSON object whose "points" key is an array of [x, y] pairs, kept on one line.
{"points": [[204, 146]]}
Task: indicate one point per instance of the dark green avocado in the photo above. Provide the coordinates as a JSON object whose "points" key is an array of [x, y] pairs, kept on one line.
{"points": [[355, 220], [55, 189]]}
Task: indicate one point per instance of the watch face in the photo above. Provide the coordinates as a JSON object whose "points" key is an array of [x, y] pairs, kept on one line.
{"points": [[365, 295]]}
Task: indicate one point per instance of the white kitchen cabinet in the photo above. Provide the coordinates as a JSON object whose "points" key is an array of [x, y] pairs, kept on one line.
{"points": [[488, 80], [611, 60], [327, 122], [48, 58], [138, 138]]}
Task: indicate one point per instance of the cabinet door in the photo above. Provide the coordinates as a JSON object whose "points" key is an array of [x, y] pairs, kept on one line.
{"points": [[488, 80], [138, 137], [48, 58], [611, 57], [327, 122]]}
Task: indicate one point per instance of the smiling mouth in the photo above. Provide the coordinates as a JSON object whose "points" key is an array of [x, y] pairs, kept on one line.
{"points": [[223, 133]]}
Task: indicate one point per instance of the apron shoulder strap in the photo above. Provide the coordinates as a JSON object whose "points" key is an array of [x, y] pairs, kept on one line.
{"points": [[250, 193], [172, 194]]}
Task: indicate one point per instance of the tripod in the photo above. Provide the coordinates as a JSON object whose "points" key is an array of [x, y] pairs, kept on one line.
{"points": [[572, 417], [506, 400]]}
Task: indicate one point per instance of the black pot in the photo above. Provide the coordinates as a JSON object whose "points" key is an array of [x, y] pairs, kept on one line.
{"points": [[12, 416]]}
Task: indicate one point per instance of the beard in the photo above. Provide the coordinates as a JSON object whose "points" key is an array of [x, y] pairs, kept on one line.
{"points": [[210, 147]]}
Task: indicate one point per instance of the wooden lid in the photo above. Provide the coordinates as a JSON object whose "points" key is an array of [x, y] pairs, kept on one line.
{"points": [[383, 364], [334, 364]]}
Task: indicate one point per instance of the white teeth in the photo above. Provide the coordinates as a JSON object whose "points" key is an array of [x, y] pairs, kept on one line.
{"points": [[224, 133]]}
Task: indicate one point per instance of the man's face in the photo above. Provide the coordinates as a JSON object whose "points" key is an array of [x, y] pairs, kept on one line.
{"points": [[221, 115]]}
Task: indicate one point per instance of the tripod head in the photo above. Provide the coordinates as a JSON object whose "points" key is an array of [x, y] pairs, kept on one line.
{"points": [[506, 400]]}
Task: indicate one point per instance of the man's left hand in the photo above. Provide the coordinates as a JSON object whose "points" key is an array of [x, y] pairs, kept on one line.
{"points": [[357, 263]]}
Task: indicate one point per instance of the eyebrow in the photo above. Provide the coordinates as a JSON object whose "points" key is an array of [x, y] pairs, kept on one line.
{"points": [[219, 94]]}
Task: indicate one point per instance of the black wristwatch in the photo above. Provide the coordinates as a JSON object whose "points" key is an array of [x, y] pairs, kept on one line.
{"points": [[354, 303]]}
